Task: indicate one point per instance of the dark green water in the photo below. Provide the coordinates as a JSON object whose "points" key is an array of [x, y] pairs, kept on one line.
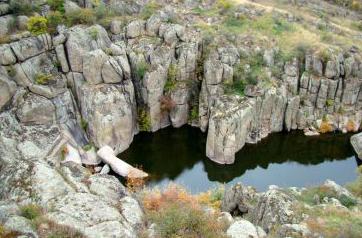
{"points": [[178, 155]]}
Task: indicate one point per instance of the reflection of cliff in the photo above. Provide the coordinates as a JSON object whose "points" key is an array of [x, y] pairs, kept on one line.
{"points": [[167, 153], [280, 148]]}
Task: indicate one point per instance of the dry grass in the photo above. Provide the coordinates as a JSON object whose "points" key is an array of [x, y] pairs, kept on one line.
{"points": [[135, 184], [5, 233], [325, 127], [157, 199], [177, 213], [49, 229], [351, 126], [167, 104]]}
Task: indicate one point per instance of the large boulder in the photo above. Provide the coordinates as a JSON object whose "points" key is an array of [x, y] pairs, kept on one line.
{"points": [[274, 208], [109, 111]]}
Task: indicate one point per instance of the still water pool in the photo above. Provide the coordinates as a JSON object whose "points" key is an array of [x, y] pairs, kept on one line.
{"points": [[283, 159]]}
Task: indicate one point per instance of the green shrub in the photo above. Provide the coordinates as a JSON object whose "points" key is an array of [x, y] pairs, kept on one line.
{"points": [[329, 102], [141, 69], [194, 113], [87, 147], [22, 7], [54, 19], [83, 124], [347, 201], [56, 5], [144, 120], [81, 16], [31, 211], [94, 33], [236, 87], [43, 79], [11, 71], [37, 25], [171, 78]]}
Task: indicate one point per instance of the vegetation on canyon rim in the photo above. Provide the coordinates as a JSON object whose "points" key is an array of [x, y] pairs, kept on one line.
{"points": [[291, 38]]}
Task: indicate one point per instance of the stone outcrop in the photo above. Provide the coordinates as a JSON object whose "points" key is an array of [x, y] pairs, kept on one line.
{"points": [[274, 207]]}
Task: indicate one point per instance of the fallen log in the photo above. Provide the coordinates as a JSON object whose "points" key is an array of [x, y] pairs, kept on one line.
{"points": [[120, 167]]}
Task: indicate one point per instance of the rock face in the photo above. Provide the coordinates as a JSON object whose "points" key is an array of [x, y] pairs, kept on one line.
{"points": [[274, 207], [109, 111], [356, 142]]}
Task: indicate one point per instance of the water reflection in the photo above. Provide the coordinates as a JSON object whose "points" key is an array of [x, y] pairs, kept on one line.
{"points": [[179, 155]]}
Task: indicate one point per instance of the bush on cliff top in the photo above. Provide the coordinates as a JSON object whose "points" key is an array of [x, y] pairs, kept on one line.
{"points": [[179, 214], [38, 25], [82, 16]]}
